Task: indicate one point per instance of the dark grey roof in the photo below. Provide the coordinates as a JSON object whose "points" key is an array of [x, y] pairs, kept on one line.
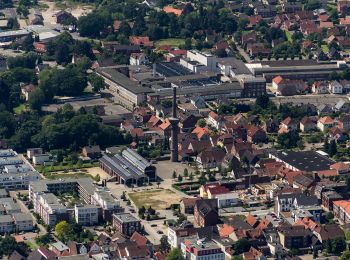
{"points": [[306, 200], [125, 169], [307, 161]]}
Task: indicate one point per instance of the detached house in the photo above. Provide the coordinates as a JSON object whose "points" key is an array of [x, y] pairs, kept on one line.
{"points": [[335, 87], [288, 125], [255, 134], [210, 159], [325, 123], [344, 122], [342, 106], [307, 124], [320, 87], [215, 120]]}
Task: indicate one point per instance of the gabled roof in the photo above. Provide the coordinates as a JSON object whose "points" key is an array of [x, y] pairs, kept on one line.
{"points": [[277, 80], [326, 120]]}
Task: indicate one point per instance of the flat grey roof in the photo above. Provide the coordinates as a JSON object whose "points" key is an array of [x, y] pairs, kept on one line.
{"points": [[125, 217], [120, 79], [22, 217]]}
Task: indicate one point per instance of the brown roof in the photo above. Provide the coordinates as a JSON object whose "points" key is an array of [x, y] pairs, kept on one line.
{"points": [[139, 239]]}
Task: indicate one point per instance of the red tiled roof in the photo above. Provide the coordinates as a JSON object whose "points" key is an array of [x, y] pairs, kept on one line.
{"points": [[172, 10], [277, 80]]}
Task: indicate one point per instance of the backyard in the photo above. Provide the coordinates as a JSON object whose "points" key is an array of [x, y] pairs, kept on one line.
{"points": [[174, 42], [158, 199]]}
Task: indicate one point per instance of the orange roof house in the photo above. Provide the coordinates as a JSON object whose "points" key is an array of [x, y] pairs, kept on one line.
{"points": [[140, 40], [340, 167], [171, 10]]}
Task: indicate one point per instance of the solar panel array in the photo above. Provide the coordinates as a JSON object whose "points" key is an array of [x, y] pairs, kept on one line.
{"points": [[171, 69]]}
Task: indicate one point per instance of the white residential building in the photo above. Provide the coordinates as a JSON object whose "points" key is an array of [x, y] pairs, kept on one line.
{"points": [[335, 87], [227, 200], [86, 215], [203, 249], [23, 222], [6, 224], [41, 159]]}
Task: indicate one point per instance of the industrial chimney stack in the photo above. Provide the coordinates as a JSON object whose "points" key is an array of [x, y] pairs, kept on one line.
{"points": [[174, 121]]}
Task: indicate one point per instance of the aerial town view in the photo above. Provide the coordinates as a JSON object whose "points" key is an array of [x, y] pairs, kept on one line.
{"points": [[174, 129]]}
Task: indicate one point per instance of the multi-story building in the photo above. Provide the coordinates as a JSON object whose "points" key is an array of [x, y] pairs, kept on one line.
{"points": [[203, 249], [206, 213], [22, 221], [252, 86], [86, 215], [15, 171], [46, 204], [6, 224], [341, 210], [126, 224], [50, 209]]}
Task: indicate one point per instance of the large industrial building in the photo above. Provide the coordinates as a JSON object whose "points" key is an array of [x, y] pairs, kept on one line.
{"points": [[128, 168], [198, 74], [308, 161], [296, 69]]}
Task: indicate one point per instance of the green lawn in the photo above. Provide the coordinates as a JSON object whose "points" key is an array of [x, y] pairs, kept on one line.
{"points": [[289, 36], [31, 245], [175, 42], [56, 168], [325, 48], [55, 176], [20, 109]]}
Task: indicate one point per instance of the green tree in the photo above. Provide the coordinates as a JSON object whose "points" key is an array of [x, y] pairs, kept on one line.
{"points": [[62, 229], [201, 122], [242, 245], [179, 178], [36, 99], [12, 23], [175, 254], [332, 148], [174, 175], [345, 255], [164, 244], [97, 82], [263, 101], [28, 42], [185, 173]]}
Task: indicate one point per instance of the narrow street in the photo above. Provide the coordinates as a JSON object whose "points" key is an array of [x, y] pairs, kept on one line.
{"points": [[24, 209]]}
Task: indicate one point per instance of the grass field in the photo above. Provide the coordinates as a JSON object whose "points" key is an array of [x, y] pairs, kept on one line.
{"points": [[175, 42], [157, 199]]}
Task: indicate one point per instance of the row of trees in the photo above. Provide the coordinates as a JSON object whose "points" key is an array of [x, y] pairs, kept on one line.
{"points": [[212, 16]]}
